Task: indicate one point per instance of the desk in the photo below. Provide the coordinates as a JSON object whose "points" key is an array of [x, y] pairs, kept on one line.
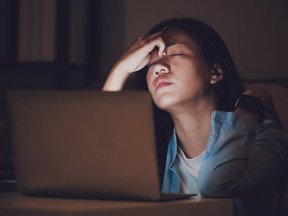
{"points": [[13, 204]]}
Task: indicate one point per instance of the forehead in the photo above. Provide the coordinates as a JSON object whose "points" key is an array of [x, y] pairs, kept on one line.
{"points": [[175, 37]]}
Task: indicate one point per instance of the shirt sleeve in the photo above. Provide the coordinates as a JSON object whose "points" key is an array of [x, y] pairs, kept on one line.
{"points": [[243, 157]]}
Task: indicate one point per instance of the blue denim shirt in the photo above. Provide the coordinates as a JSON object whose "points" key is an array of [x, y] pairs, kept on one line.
{"points": [[244, 161]]}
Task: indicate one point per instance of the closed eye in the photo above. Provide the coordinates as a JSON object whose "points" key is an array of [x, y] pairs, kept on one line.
{"points": [[175, 54]]}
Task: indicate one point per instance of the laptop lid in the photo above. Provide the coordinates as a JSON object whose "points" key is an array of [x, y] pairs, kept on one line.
{"points": [[84, 144]]}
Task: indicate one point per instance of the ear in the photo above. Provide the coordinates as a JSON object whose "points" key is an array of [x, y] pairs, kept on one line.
{"points": [[216, 74]]}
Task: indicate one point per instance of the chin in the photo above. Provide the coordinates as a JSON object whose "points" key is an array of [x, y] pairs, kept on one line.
{"points": [[164, 102]]}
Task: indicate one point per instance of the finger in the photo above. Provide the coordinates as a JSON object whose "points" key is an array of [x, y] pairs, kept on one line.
{"points": [[156, 40], [160, 44], [161, 50]]}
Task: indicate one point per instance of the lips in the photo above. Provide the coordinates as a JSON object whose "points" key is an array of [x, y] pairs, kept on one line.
{"points": [[161, 82]]}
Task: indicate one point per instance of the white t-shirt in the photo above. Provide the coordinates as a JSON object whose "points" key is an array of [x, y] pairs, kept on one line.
{"points": [[188, 170]]}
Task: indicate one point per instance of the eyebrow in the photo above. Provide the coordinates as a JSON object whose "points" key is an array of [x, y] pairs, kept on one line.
{"points": [[172, 43]]}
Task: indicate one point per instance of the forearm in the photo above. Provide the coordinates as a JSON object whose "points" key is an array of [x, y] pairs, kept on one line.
{"points": [[116, 79], [240, 162]]}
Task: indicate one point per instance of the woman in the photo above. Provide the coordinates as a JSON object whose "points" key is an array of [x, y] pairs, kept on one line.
{"points": [[213, 149]]}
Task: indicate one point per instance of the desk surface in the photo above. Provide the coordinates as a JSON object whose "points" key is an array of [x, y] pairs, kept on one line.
{"points": [[12, 204]]}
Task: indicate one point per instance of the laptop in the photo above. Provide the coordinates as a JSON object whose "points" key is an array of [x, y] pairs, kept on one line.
{"points": [[85, 143]]}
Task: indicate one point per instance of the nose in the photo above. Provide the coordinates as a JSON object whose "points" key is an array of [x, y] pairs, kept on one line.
{"points": [[161, 68]]}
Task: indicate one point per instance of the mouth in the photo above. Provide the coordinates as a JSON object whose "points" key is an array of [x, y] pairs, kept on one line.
{"points": [[161, 82]]}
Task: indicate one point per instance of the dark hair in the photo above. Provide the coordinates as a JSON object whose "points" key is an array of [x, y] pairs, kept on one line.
{"points": [[214, 51]]}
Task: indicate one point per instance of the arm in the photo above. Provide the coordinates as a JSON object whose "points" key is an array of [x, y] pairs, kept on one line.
{"points": [[243, 156], [135, 58]]}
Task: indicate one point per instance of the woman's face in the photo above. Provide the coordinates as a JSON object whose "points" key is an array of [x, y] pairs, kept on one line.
{"points": [[181, 77]]}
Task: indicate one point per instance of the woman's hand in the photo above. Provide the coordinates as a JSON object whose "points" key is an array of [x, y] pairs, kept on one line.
{"points": [[134, 59]]}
